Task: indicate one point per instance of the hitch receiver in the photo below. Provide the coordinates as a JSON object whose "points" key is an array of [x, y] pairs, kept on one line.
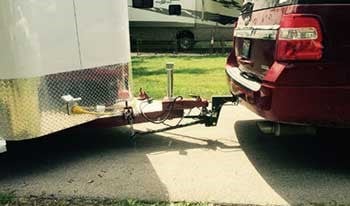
{"points": [[217, 103]]}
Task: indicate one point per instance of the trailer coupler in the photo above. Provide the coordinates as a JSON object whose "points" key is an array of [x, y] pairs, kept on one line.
{"points": [[208, 117]]}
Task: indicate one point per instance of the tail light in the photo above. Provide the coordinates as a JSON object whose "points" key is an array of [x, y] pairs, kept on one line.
{"points": [[235, 25], [300, 38], [231, 60]]}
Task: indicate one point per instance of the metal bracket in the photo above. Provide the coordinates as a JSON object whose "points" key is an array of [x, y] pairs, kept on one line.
{"points": [[70, 102], [129, 115], [2, 145], [217, 103]]}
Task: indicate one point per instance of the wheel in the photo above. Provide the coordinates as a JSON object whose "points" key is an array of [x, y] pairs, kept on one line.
{"points": [[185, 42]]}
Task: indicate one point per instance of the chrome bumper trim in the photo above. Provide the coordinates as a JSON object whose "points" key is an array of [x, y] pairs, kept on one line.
{"points": [[235, 74]]}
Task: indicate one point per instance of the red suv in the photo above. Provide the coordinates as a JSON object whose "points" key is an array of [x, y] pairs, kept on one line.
{"points": [[289, 62]]}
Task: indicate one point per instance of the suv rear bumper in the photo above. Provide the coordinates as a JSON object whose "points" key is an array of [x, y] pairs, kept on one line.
{"points": [[321, 106]]}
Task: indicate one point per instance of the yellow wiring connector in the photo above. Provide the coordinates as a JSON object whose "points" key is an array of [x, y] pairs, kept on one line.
{"points": [[81, 110]]}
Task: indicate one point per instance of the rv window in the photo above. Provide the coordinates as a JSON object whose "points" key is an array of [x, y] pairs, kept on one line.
{"points": [[175, 9], [142, 4]]}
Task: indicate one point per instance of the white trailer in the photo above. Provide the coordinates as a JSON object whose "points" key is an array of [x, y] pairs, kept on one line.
{"points": [[184, 21], [67, 62], [56, 52]]}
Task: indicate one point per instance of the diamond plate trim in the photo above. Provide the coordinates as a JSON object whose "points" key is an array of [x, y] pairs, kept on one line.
{"points": [[33, 107]]}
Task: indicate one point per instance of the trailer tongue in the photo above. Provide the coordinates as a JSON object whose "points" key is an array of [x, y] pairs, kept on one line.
{"points": [[160, 112], [144, 109]]}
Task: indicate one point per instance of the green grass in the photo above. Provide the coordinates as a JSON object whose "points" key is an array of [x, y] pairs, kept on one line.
{"points": [[41, 201], [199, 75], [143, 203], [6, 198]]}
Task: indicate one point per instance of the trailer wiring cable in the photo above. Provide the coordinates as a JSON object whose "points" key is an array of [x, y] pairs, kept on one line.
{"points": [[179, 122], [168, 126], [166, 115]]}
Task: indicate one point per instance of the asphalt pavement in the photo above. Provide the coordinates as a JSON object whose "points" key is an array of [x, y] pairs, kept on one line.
{"points": [[230, 163]]}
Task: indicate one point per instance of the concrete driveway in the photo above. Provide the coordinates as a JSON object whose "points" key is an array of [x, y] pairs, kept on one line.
{"points": [[231, 163]]}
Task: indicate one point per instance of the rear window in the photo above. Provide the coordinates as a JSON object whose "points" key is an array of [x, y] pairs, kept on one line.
{"points": [[324, 1], [265, 4], [259, 4]]}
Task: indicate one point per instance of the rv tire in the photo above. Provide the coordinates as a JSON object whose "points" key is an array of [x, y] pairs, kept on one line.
{"points": [[185, 41]]}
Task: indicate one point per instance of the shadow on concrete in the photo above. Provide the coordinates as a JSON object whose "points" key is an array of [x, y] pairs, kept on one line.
{"points": [[300, 169], [28, 163]]}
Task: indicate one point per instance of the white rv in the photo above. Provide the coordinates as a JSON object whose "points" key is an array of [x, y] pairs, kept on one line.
{"points": [[55, 53], [184, 21]]}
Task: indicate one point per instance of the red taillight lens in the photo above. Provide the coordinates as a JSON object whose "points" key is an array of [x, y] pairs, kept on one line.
{"points": [[235, 24], [300, 38]]}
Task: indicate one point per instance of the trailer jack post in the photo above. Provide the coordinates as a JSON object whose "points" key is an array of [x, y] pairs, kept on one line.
{"points": [[217, 104], [170, 74]]}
